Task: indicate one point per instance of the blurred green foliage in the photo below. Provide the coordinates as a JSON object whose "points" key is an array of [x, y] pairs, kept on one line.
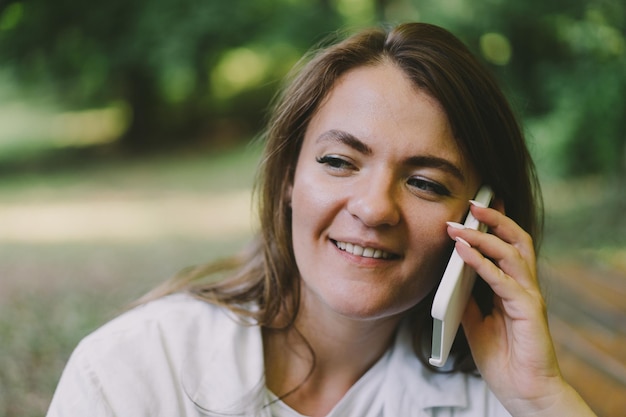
{"points": [[565, 73], [177, 71]]}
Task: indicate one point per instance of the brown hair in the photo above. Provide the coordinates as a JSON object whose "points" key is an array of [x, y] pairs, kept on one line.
{"points": [[483, 125]]}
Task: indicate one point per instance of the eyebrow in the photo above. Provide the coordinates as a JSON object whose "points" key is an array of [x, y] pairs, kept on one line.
{"points": [[428, 161], [345, 138]]}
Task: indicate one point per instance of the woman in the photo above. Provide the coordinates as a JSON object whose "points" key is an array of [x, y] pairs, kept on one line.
{"points": [[373, 153]]}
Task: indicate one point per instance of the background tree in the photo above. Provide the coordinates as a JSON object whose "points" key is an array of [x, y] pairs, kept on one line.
{"points": [[157, 57], [189, 70], [563, 64]]}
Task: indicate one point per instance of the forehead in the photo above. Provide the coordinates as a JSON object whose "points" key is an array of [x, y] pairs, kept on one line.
{"points": [[379, 104]]}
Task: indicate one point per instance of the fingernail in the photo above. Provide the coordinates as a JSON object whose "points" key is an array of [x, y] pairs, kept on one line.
{"points": [[456, 225], [477, 204], [463, 241]]}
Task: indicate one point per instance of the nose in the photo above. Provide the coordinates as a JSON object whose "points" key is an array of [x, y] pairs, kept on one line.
{"points": [[374, 202]]}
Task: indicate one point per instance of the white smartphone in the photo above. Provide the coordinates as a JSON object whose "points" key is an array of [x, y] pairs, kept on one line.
{"points": [[454, 292]]}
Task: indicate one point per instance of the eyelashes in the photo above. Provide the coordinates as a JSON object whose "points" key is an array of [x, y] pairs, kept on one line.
{"points": [[335, 162], [341, 166], [429, 186]]}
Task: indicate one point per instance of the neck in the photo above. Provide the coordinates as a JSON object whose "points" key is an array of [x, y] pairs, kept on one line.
{"points": [[314, 363]]}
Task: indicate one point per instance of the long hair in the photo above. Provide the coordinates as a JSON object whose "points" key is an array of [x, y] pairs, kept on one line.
{"points": [[484, 128]]}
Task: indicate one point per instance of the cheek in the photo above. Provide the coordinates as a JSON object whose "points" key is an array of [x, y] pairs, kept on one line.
{"points": [[429, 237], [428, 224], [313, 207]]}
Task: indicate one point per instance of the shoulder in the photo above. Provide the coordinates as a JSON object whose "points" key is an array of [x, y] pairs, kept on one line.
{"points": [[182, 309], [169, 328], [152, 359], [168, 320], [164, 311]]}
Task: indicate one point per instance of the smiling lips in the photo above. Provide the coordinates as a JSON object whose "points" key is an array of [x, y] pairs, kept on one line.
{"points": [[364, 252]]}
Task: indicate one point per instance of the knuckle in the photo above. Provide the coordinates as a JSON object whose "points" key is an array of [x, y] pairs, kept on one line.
{"points": [[526, 239]]}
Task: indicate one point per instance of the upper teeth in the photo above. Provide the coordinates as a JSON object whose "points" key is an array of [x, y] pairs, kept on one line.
{"points": [[361, 251]]}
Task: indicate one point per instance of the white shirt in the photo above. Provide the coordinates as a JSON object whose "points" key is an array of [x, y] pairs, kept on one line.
{"points": [[182, 357]]}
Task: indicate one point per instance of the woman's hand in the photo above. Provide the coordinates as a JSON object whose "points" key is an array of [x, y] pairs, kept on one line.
{"points": [[512, 346]]}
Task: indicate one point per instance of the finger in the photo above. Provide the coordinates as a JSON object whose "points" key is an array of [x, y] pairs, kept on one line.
{"points": [[505, 256], [482, 333], [472, 319], [502, 284], [476, 326], [502, 226], [507, 230]]}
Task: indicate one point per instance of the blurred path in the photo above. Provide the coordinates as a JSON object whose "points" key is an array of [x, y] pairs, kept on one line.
{"points": [[587, 309], [89, 234], [127, 218]]}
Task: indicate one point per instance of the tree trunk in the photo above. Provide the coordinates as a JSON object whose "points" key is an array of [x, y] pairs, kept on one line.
{"points": [[147, 128]]}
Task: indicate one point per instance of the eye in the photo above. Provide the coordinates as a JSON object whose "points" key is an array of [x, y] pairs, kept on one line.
{"points": [[424, 185], [335, 162]]}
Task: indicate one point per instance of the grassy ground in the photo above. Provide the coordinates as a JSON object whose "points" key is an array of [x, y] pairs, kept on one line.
{"points": [[585, 220], [78, 244]]}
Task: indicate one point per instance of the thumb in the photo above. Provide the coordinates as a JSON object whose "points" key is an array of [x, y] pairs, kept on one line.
{"points": [[471, 321]]}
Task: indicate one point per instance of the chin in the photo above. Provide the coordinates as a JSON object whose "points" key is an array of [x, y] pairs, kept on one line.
{"points": [[365, 308]]}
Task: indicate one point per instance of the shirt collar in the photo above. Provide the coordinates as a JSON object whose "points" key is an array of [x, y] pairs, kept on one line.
{"points": [[224, 370], [410, 386], [227, 375]]}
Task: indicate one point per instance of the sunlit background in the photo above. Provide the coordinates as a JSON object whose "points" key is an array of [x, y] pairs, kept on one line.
{"points": [[127, 152]]}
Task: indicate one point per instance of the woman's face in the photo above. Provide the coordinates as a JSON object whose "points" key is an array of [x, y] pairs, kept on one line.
{"points": [[378, 175]]}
